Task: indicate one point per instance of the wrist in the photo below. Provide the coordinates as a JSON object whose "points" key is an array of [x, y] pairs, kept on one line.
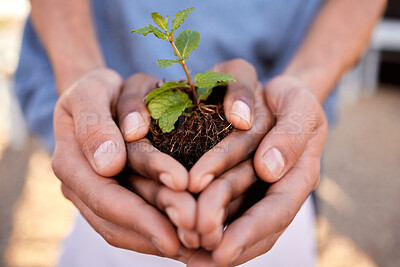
{"points": [[318, 81], [70, 72], [100, 79]]}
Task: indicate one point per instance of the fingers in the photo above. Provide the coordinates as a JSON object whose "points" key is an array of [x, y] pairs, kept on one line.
{"points": [[134, 118], [299, 116], [213, 202], [239, 99], [233, 149], [201, 258], [96, 132], [115, 235], [282, 202], [148, 161], [257, 250], [189, 239], [179, 206], [118, 236], [105, 197]]}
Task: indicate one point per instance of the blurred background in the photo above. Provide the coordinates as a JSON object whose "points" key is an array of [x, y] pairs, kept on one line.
{"points": [[359, 193]]}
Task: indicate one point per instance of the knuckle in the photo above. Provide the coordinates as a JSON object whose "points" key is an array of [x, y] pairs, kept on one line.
{"points": [[242, 63], [294, 145], [314, 174], [56, 164], [65, 192], [59, 165], [108, 235], [89, 136], [287, 217], [93, 202]]}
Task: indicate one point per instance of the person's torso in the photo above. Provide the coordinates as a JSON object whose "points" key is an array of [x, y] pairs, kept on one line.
{"points": [[264, 32]]}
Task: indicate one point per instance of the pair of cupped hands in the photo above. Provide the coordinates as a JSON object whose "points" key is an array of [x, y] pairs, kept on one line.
{"points": [[100, 124]]}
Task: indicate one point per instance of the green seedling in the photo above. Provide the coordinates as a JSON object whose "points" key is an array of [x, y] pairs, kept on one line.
{"points": [[167, 103]]}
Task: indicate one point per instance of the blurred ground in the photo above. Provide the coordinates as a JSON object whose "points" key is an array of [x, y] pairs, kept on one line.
{"points": [[359, 192], [360, 189]]}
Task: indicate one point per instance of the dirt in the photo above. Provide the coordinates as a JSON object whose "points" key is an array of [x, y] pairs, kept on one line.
{"points": [[194, 134]]}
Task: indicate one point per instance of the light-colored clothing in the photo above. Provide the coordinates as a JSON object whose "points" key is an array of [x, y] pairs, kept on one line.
{"points": [[296, 247]]}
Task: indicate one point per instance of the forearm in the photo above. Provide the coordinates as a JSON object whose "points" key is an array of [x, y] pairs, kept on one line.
{"points": [[335, 42], [67, 32]]}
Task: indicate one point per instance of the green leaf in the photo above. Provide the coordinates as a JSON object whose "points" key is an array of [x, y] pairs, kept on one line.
{"points": [[187, 41], [168, 119], [207, 79], [204, 93], [169, 62], [151, 29], [167, 107], [164, 87], [160, 21], [180, 18]]}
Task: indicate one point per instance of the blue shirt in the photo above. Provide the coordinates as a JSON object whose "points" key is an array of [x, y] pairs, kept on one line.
{"points": [[265, 32]]}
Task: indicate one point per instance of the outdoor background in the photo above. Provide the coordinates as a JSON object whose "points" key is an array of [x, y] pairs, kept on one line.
{"points": [[359, 215]]}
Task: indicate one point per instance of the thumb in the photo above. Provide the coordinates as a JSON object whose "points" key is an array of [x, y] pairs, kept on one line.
{"points": [[299, 116], [89, 101], [239, 98], [134, 118]]}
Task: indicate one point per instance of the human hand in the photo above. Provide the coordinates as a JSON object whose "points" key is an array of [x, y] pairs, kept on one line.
{"points": [[89, 147], [243, 97], [220, 200], [242, 104], [141, 153], [293, 166]]}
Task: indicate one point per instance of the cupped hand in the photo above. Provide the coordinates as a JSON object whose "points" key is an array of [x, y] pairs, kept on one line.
{"points": [[134, 121], [221, 200], [245, 109], [289, 157], [89, 150]]}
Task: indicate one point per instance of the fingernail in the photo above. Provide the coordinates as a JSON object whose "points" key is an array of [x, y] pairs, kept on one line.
{"points": [[206, 180], [132, 122], [212, 239], [182, 237], [242, 110], [166, 179], [236, 255], [274, 161], [105, 153], [156, 243], [173, 215]]}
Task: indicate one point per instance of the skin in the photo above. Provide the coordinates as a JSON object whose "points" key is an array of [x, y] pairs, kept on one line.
{"points": [[83, 121], [334, 43]]}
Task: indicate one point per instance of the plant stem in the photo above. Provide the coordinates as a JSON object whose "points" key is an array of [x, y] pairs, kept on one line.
{"points": [[183, 64]]}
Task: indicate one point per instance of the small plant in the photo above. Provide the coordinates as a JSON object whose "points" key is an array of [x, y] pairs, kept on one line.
{"points": [[167, 103]]}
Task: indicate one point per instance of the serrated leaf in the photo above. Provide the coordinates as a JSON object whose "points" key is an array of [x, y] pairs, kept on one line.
{"points": [[164, 87], [207, 79], [168, 119], [164, 63], [167, 107], [160, 21], [165, 101], [203, 93], [180, 18], [187, 41], [151, 29]]}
